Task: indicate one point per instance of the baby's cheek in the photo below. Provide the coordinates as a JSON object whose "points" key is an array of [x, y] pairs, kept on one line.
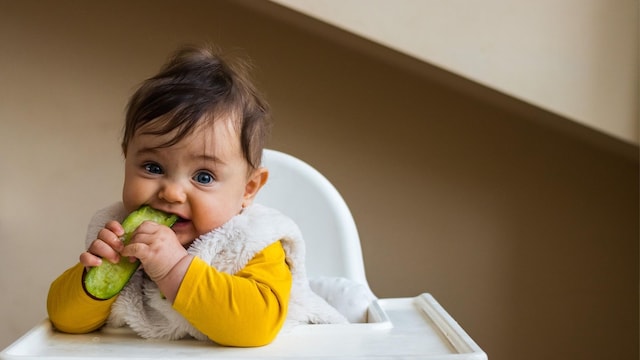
{"points": [[135, 193], [130, 200], [206, 225]]}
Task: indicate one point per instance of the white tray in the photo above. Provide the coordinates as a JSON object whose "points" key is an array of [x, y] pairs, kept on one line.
{"points": [[398, 328]]}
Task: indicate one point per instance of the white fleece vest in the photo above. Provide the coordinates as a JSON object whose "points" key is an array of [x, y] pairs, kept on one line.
{"points": [[228, 248]]}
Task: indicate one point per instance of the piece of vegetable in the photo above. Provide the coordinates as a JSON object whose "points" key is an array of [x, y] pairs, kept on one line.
{"points": [[107, 280]]}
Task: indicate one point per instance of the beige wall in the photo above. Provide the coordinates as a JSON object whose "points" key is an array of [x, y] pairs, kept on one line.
{"points": [[527, 236], [577, 58]]}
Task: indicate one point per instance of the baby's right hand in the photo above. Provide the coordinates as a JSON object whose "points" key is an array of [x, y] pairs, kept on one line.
{"points": [[108, 246]]}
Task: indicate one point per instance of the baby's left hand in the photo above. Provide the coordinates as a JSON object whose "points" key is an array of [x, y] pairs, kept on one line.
{"points": [[157, 248]]}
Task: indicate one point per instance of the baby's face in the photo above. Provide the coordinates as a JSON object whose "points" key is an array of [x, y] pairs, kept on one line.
{"points": [[203, 178]]}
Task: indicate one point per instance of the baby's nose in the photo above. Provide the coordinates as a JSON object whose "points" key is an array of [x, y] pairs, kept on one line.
{"points": [[172, 192]]}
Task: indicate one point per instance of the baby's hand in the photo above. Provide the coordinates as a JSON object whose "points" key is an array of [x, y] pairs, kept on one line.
{"points": [[108, 246], [157, 247]]}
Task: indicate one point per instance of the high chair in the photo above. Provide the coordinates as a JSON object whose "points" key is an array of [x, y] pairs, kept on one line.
{"points": [[302, 193], [416, 327]]}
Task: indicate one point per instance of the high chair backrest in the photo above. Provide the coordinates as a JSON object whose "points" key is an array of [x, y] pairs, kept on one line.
{"points": [[302, 193]]}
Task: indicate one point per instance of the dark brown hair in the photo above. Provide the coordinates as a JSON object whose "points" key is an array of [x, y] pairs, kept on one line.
{"points": [[197, 84]]}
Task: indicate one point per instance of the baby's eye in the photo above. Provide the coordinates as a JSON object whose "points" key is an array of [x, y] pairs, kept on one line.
{"points": [[203, 177], [153, 168]]}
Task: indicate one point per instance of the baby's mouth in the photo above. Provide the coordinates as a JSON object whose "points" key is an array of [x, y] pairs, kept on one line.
{"points": [[182, 220], [180, 223]]}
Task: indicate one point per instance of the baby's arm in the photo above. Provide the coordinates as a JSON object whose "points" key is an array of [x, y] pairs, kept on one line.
{"points": [[69, 307], [245, 309]]}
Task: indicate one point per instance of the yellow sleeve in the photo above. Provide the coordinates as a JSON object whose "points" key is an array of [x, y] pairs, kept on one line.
{"points": [[71, 309], [244, 309]]}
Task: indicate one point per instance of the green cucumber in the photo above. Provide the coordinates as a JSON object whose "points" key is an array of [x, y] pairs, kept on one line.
{"points": [[107, 280]]}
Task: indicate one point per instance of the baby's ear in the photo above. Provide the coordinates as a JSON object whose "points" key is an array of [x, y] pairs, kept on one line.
{"points": [[256, 181]]}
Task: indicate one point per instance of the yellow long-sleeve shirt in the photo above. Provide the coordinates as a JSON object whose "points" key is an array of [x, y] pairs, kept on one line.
{"points": [[244, 309]]}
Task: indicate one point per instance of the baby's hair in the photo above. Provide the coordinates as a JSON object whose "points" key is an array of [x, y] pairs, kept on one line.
{"points": [[198, 84]]}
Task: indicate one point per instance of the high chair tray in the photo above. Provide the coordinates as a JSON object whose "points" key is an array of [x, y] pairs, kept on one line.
{"points": [[414, 328]]}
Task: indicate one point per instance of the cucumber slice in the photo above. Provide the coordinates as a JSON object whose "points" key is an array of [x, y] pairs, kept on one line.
{"points": [[107, 280]]}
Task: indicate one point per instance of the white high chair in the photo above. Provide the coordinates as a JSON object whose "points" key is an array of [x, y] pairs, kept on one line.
{"points": [[417, 327], [302, 193]]}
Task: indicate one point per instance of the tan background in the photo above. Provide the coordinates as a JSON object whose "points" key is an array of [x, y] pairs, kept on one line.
{"points": [[525, 232], [564, 56]]}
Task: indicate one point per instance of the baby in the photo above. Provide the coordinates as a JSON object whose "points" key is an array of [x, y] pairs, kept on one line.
{"points": [[229, 270]]}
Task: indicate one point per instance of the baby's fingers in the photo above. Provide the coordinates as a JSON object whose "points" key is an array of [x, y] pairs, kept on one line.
{"points": [[89, 260], [101, 249], [110, 238], [136, 250], [115, 227]]}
